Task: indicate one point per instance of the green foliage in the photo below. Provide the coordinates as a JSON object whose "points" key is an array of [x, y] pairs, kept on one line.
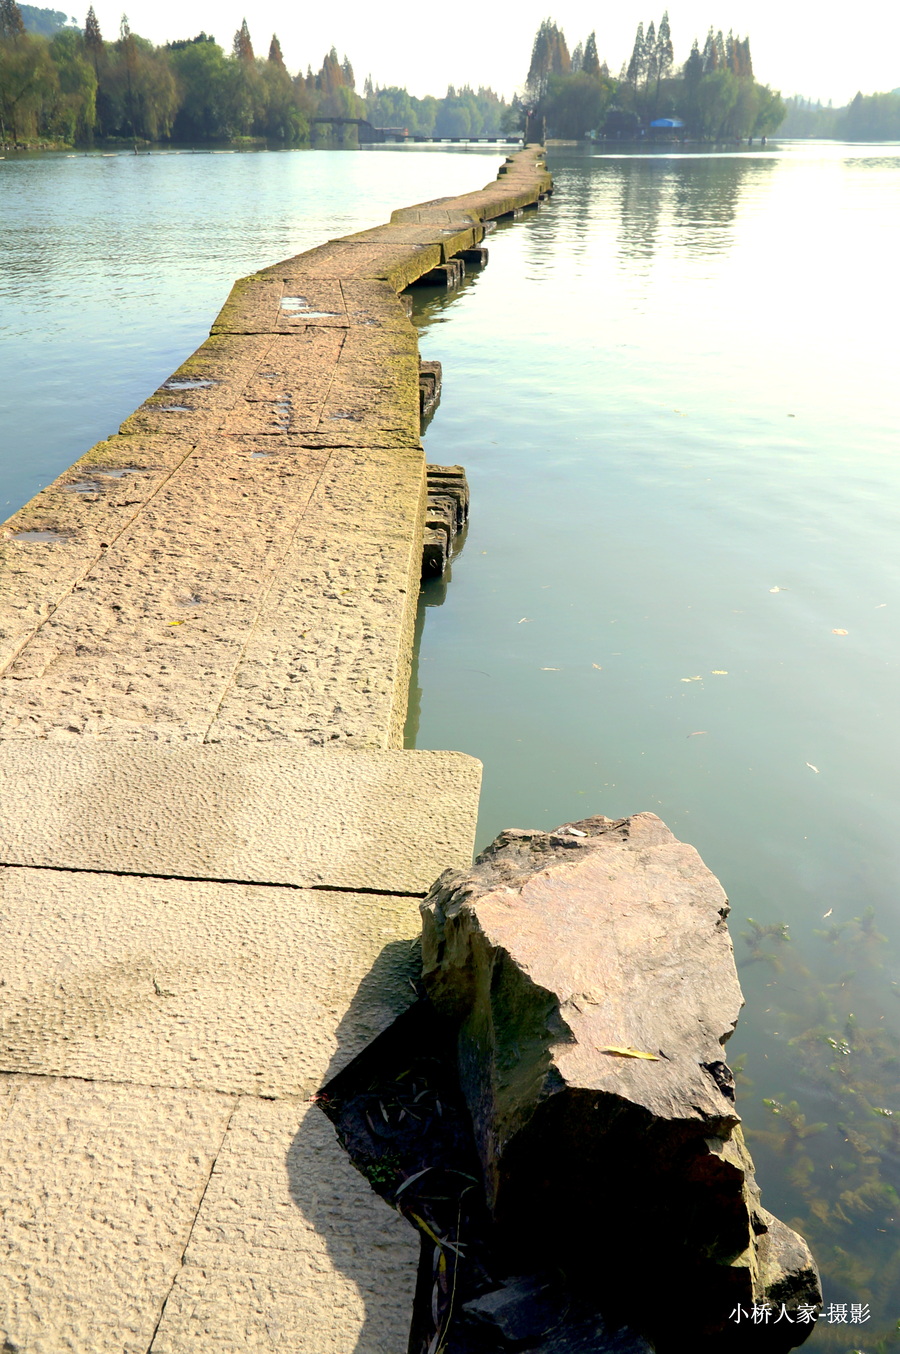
{"points": [[549, 56], [462, 112], [870, 117], [71, 109], [28, 77], [803, 117], [590, 62], [715, 94], [137, 88], [46, 22], [577, 104], [75, 86], [12, 26], [381, 1173]]}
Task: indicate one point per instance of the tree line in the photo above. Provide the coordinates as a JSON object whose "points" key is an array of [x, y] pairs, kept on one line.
{"points": [[867, 117], [71, 86], [714, 96]]}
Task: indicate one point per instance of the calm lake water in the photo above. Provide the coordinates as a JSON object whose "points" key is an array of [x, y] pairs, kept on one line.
{"points": [[674, 390], [675, 393]]}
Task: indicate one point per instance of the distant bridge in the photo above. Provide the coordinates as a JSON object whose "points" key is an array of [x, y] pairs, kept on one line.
{"points": [[376, 136]]}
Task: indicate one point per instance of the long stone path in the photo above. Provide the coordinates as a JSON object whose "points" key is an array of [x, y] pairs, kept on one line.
{"points": [[212, 845]]}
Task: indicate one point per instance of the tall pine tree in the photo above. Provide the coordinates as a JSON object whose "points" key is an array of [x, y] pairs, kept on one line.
{"points": [[275, 55], [650, 63], [93, 40], [243, 47], [636, 66], [591, 61], [549, 56], [665, 53]]}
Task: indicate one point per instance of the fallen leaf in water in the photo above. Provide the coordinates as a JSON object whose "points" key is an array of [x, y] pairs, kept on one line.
{"points": [[840, 632], [526, 620], [813, 768], [630, 1053], [828, 913], [697, 733], [776, 589], [880, 605], [691, 679], [551, 669], [598, 666], [720, 672]]}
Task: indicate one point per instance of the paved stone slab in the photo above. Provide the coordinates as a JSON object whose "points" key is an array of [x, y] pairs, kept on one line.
{"points": [[397, 264], [451, 238], [300, 383], [328, 659], [234, 1224], [266, 369], [99, 1188], [52, 542], [166, 629], [240, 988], [151, 637], [264, 813], [291, 1250], [267, 304], [428, 213]]}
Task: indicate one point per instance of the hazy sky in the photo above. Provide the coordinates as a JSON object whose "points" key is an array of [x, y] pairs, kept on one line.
{"points": [[796, 46]]}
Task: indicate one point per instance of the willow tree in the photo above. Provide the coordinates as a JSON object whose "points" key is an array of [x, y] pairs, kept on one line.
{"points": [[27, 75]]}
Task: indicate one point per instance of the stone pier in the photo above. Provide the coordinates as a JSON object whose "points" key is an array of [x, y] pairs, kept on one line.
{"points": [[212, 845]]}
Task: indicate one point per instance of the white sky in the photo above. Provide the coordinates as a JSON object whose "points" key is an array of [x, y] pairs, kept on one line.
{"points": [[797, 47]]}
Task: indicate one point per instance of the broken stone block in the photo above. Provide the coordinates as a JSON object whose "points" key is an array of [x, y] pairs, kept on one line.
{"points": [[450, 480], [449, 274], [590, 978], [429, 388], [435, 553], [535, 1314], [446, 512]]}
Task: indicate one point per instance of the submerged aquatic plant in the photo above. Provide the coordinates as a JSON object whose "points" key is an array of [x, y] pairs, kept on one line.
{"points": [[842, 1164]]}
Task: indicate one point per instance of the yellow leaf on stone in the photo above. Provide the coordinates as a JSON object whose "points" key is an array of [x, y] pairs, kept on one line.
{"points": [[720, 672], [629, 1053]]}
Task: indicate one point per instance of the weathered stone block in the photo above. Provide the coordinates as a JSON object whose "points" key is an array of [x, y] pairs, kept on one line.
{"points": [[590, 976], [450, 481]]}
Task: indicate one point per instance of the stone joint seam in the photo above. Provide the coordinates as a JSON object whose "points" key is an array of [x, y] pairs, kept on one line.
{"points": [[197, 1211], [218, 879]]}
